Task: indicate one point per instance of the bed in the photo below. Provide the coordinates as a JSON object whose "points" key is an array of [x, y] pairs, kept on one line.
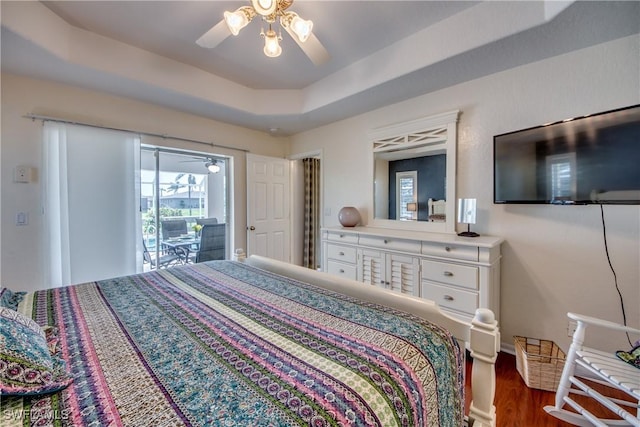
{"points": [[251, 343]]}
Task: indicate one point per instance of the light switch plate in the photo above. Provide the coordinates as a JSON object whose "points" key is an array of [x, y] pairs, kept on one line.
{"points": [[22, 218]]}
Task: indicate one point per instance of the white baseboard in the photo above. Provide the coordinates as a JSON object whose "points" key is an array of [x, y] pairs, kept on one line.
{"points": [[508, 348]]}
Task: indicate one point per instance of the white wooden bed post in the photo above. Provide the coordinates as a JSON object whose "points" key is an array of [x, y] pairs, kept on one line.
{"points": [[485, 345]]}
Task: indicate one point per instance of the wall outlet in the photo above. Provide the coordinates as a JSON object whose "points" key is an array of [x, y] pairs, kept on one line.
{"points": [[571, 327], [22, 174]]}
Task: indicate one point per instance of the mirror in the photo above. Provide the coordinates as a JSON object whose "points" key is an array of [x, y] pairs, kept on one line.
{"points": [[414, 174]]}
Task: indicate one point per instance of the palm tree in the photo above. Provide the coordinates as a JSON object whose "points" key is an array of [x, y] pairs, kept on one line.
{"points": [[176, 185], [191, 181]]}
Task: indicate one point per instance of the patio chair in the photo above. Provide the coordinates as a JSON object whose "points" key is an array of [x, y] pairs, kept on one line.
{"points": [[206, 221], [212, 242], [164, 261], [173, 228]]}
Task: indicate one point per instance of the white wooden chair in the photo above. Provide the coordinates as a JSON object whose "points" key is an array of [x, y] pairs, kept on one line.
{"points": [[603, 368], [437, 210]]}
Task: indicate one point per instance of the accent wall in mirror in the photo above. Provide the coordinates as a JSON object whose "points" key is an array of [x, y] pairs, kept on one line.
{"points": [[414, 173]]}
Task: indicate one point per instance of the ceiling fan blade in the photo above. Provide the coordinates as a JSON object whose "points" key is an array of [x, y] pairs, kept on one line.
{"points": [[196, 159], [312, 48], [214, 36]]}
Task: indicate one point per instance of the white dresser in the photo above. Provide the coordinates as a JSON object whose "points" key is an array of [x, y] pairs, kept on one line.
{"points": [[461, 274]]}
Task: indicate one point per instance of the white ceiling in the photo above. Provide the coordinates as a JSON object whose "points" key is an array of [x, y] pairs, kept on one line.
{"points": [[381, 51]]}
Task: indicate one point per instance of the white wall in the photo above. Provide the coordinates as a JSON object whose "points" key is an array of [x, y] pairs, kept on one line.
{"points": [[21, 247], [553, 257]]}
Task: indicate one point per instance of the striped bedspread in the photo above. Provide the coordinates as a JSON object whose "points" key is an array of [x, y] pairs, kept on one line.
{"points": [[225, 344]]}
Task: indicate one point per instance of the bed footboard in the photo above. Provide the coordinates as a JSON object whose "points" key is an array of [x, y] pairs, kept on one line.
{"points": [[482, 334]]}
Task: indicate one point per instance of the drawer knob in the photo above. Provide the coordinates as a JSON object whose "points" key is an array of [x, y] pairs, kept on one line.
{"points": [[341, 270], [448, 298], [448, 273], [341, 236], [386, 241], [447, 248], [341, 253]]}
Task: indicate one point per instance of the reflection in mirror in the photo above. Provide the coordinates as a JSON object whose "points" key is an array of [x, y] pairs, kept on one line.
{"points": [[412, 180], [414, 174], [405, 193]]}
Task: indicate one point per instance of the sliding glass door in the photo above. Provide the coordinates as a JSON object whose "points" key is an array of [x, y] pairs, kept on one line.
{"points": [[179, 191]]}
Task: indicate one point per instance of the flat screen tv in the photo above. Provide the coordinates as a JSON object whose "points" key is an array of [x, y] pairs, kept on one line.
{"points": [[593, 159]]}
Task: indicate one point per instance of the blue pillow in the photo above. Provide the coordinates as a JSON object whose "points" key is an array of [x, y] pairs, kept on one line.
{"points": [[10, 299], [27, 367]]}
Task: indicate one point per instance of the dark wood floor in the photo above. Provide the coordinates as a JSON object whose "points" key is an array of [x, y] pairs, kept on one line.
{"points": [[518, 405]]}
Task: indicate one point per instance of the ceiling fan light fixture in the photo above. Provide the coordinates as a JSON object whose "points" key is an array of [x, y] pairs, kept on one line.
{"points": [[264, 7], [239, 19], [212, 166], [273, 13], [300, 27], [271, 46]]}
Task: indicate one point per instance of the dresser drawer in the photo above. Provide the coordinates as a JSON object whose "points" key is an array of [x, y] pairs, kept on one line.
{"points": [[454, 299], [454, 274], [340, 269], [445, 250], [341, 253], [337, 236], [391, 243]]}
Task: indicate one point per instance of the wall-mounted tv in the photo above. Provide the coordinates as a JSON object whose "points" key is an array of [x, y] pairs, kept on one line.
{"points": [[593, 159]]}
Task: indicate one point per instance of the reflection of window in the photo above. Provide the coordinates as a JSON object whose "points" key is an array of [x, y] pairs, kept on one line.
{"points": [[561, 176], [407, 191]]}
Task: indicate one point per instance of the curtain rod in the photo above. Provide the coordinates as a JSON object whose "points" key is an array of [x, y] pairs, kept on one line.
{"points": [[177, 138]]}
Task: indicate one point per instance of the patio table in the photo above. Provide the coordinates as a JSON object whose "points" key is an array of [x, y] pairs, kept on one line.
{"points": [[182, 246]]}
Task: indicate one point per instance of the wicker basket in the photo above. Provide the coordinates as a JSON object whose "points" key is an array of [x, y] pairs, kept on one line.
{"points": [[539, 362]]}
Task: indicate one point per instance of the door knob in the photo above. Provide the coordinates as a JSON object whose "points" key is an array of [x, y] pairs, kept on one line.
{"points": [[252, 228]]}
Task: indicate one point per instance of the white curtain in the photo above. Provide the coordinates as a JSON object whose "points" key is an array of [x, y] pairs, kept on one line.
{"points": [[91, 203]]}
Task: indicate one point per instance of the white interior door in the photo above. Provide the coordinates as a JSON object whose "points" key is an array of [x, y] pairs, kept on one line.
{"points": [[268, 217]]}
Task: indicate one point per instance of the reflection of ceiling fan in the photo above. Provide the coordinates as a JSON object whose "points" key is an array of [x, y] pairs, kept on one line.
{"points": [[271, 11], [209, 162]]}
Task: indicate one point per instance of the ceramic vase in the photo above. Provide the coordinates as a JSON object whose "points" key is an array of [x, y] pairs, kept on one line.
{"points": [[349, 216]]}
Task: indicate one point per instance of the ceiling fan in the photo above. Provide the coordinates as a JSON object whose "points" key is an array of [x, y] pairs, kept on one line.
{"points": [[271, 12], [209, 162]]}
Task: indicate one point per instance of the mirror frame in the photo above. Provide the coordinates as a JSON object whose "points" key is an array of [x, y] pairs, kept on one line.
{"points": [[433, 134]]}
